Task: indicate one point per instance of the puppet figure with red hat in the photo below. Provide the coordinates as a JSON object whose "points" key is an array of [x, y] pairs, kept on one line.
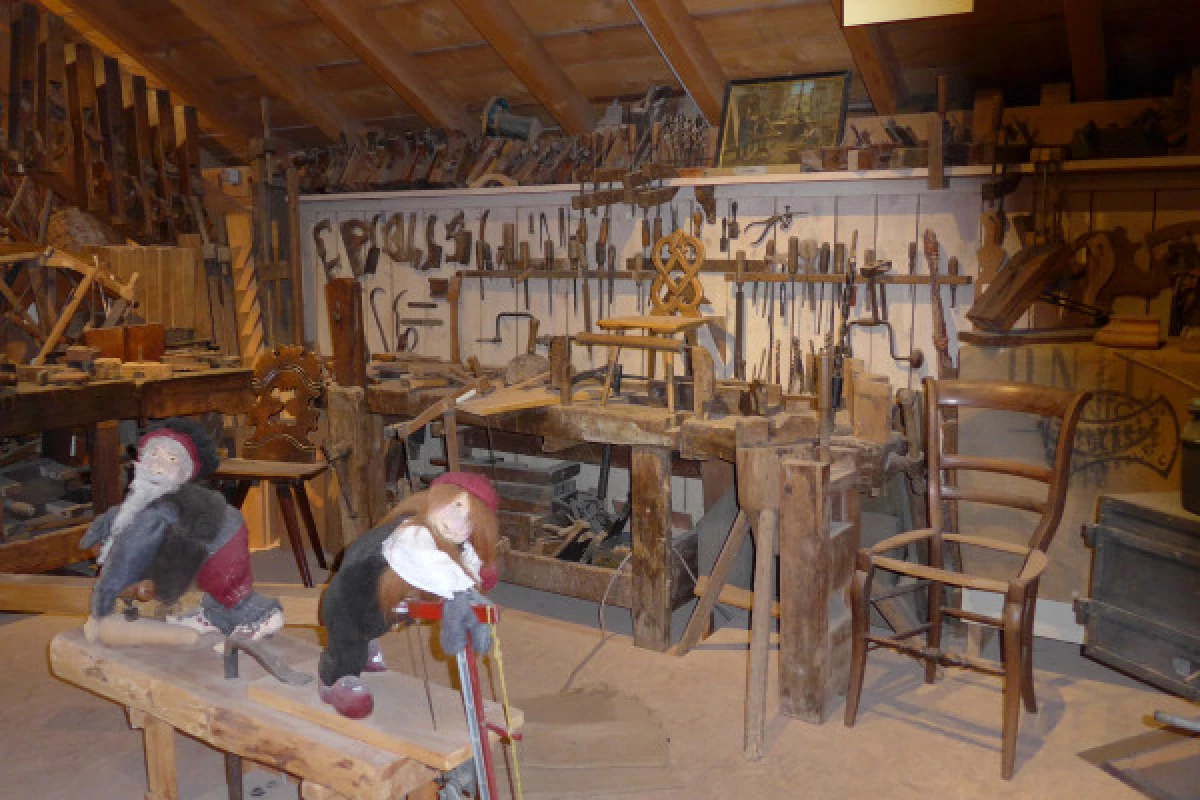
{"points": [[437, 545], [171, 532]]}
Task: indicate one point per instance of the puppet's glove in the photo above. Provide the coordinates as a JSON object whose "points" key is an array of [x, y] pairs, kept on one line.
{"points": [[459, 622], [100, 529]]}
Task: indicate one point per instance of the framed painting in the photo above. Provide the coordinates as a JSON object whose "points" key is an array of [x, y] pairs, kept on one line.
{"points": [[773, 120]]}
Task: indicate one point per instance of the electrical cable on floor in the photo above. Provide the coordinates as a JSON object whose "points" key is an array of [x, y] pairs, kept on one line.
{"points": [[604, 634]]}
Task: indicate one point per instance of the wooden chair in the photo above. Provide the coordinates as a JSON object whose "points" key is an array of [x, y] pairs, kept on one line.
{"points": [[287, 382], [943, 399]]}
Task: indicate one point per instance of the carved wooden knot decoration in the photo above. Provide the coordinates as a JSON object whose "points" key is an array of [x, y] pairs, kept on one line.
{"points": [[681, 295]]}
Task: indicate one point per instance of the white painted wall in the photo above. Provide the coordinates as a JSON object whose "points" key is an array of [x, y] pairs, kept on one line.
{"points": [[889, 210]]}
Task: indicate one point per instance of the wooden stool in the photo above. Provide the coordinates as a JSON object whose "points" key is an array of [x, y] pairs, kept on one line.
{"points": [[288, 482], [660, 331]]}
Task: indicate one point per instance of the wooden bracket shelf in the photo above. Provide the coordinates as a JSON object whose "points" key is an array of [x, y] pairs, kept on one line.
{"points": [[755, 273], [893, 280]]}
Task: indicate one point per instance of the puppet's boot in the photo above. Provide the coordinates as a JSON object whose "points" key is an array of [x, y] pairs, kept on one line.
{"points": [[195, 620], [349, 696], [375, 662]]}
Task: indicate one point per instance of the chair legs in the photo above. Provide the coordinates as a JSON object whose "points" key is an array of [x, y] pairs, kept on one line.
{"points": [[860, 611], [287, 505], [1014, 680], [306, 513], [934, 638], [1027, 653]]}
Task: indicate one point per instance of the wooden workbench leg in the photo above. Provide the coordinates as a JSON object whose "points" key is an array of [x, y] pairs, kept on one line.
{"points": [[160, 755], [765, 531], [650, 476], [106, 465], [804, 588]]}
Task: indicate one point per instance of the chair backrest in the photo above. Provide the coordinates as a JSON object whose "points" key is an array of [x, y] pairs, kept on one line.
{"points": [[944, 398], [287, 382]]}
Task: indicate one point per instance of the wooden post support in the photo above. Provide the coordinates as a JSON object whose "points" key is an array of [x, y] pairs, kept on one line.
{"points": [[650, 476], [703, 381], [453, 295], [765, 538], [699, 621], [937, 139], [560, 367], [450, 437], [160, 755], [354, 428], [343, 300], [819, 535], [295, 260], [106, 465], [1193, 137]]}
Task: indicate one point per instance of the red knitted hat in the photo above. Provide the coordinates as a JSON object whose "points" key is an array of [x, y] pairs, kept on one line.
{"points": [[478, 485]]}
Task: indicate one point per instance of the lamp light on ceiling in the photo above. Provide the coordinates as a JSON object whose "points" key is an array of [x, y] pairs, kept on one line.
{"points": [[871, 12]]}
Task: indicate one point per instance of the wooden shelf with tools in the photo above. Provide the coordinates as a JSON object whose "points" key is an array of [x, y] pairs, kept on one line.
{"points": [[755, 273], [783, 173]]}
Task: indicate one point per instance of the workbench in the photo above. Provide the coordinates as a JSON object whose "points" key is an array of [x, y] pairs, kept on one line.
{"points": [[98, 406], [653, 441], [169, 689]]}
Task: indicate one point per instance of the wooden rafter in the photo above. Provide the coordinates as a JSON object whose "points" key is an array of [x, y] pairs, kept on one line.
{"points": [[512, 40], [230, 28], [137, 41], [382, 52], [876, 63], [686, 52], [1085, 39]]}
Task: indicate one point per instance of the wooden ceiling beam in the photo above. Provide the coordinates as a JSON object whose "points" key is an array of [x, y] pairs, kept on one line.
{"points": [[1085, 40], [512, 40], [686, 52], [137, 41], [230, 28], [358, 28], [876, 62]]}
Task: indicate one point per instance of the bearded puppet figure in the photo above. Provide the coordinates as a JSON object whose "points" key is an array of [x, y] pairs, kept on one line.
{"points": [[170, 533], [438, 545]]}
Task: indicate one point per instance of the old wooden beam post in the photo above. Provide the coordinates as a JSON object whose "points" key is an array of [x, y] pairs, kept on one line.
{"points": [[356, 435], [650, 476], [758, 495], [819, 534], [106, 465]]}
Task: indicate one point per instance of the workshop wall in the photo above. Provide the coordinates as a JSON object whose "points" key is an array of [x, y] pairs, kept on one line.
{"points": [[888, 214]]}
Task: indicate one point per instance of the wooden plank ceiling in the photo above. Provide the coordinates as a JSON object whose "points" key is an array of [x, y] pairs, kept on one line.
{"points": [[591, 51]]}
